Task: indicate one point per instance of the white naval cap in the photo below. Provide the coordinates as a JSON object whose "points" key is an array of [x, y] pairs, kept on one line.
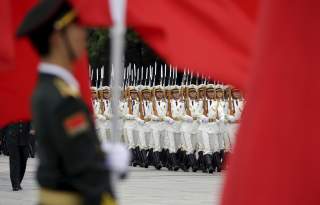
{"points": [[105, 88], [93, 89], [210, 87], [220, 87], [192, 87], [145, 88], [174, 87], [133, 89], [158, 88], [202, 87]]}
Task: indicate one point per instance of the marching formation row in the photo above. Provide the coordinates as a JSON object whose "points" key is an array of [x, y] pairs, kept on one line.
{"points": [[178, 127]]}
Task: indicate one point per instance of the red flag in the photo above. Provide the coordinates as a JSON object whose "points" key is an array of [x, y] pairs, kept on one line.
{"points": [[93, 13], [276, 159], [249, 7], [18, 81], [6, 40], [213, 37], [82, 75]]}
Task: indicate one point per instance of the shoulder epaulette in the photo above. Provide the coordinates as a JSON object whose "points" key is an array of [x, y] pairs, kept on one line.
{"points": [[64, 89]]}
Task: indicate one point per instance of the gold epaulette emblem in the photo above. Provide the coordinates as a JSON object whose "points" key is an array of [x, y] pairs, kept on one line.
{"points": [[64, 89]]}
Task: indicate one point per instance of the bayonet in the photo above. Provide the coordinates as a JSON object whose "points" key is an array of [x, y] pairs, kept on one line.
{"points": [[147, 75], [165, 74]]}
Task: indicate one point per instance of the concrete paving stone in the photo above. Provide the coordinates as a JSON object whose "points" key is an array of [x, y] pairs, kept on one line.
{"points": [[143, 187]]}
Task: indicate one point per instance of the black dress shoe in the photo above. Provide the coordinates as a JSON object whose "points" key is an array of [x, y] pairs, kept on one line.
{"points": [[217, 161], [208, 162], [15, 189], [173, 162], [193, 162], [134, 156], [19, 187], [156, 160], [143, 158]]}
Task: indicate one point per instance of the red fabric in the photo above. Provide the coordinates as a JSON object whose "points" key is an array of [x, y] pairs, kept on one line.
{"points": [[276, 159], [82, 75], [6, 40], [212, 37], [75, 121], [93, 13], [249, 7], [18, 81]]}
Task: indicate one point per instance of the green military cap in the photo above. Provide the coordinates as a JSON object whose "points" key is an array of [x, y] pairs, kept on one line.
{"points": [[56, 14]]}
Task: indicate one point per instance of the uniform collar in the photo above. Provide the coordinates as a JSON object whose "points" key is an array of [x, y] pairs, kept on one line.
{"points": [[60, 72]]}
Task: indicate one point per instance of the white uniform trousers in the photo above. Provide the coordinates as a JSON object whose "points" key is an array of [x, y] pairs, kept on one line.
{"points": [[157, 132], [190, 135], [233, 130], [101, 131], [224, 140], [145, 136], [173, 138], [107, 129], [130, 126], [209, 139]]}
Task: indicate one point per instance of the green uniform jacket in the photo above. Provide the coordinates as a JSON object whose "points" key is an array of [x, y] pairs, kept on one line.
{"points": [[70, 154]]}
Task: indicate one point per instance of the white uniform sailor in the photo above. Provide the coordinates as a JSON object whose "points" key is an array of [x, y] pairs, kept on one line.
{"points": [[176, 112], [132, 125], [190, 125], [147, 114], [209, 132], [99, 108], [106, 99], [159, 107], [94, 98], [123, 110], [234, 114]]}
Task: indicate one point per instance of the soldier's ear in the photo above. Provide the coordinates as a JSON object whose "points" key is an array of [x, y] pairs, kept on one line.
{"points": [[55, 40]]}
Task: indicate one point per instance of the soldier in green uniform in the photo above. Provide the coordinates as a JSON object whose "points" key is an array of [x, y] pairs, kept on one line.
{"points": [[72, 166], [17, 136]]}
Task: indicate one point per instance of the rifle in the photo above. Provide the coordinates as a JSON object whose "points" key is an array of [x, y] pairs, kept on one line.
{"points": [[169, 112], [230, 103], [129, 102], [154, 104], [141, 106], [186, 103]]}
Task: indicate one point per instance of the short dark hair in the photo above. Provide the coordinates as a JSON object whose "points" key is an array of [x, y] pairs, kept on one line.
{"points": [[40, 39]]}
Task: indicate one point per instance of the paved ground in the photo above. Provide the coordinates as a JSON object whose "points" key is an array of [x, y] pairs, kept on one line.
{"points": [[143, 187]]}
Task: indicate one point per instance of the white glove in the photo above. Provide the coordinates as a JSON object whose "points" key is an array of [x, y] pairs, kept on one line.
{"points": [[187, 118], [168, 120], [154, 118], [130, 117], [110, 116], [140, 122], [101, 117], [118, 157], [203, 119]]}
